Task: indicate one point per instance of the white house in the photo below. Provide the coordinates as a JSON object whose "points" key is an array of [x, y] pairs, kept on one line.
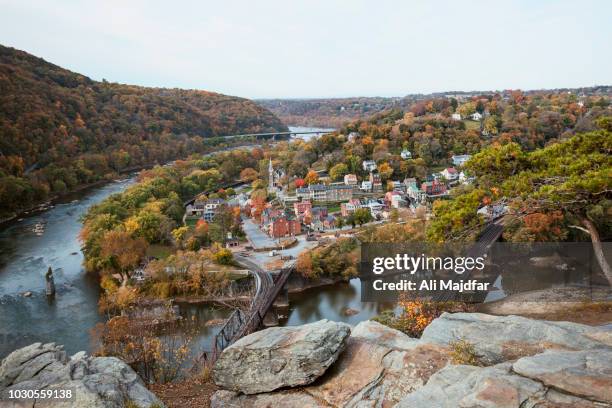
{"points": [[352, 136], [350, 180], [493, 211], [375, 206], [450, 174], [461, 159], [366, 185], [456, 116], [405, 154], [369, 165], [397, 201], [476, 116]]}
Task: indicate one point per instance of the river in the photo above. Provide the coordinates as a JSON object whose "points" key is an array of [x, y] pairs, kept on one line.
{"points": [[24, 258], [69, 318]]}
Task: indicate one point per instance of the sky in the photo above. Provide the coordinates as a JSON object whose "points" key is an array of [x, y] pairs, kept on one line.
{"points": [[320, 48]]}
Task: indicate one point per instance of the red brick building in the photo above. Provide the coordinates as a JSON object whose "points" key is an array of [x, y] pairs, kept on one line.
{"points": [[282, 227], [301, 208]]}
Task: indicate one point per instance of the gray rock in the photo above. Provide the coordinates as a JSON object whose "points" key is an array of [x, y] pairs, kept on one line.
{"points": [[502, 338], [104, 382], [384, 335], [577, 379], [280, 357], [586, 374], [469, 386]]}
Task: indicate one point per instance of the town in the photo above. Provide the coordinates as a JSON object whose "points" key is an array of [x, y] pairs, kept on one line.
{"points": [[296, 208]]}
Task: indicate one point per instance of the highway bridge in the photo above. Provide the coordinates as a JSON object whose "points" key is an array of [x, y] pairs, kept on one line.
{"points": [[273, 135]]}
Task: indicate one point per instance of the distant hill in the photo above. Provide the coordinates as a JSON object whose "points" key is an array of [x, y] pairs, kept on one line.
{"points": [[60, 129], [335, 112]]}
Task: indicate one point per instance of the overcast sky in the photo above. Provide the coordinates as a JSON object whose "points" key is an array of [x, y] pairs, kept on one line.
{"points": [[327, 48]]}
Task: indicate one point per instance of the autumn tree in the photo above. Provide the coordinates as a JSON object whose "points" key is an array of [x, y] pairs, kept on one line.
{"points": [[312, 177], [338, 171], [122, 253]]}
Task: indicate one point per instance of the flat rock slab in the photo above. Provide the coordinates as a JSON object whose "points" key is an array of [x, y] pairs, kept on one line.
{"points": [[501, 338], [280, 357], [384, 336], [586, 374]]}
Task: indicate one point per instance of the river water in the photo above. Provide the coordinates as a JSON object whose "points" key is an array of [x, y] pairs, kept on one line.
{"points": [[69, 318], [24, 258]]}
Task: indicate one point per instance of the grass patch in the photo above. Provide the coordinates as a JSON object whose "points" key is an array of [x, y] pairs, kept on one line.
{"points": [[331, 206], [191, 222], [471, 124], [160, 251]]}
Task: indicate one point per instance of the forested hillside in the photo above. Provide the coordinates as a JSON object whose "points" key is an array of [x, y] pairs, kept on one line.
{"points": [[330, 113], [336, 112], [60, 129]]}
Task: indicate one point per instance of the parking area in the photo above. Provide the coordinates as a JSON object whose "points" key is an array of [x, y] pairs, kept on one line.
{"points": [[256, 236]]}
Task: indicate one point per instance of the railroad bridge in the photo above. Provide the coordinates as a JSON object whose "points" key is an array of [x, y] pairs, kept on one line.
{"points": [[268, 287]]}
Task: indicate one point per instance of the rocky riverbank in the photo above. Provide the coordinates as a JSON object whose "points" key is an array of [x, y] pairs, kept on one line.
{"points": [[516, 362]]}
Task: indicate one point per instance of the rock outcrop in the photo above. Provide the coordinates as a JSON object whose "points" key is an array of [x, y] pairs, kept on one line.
{"points": [[527, 363], [280, 357], [98, 382], [501, 338]]}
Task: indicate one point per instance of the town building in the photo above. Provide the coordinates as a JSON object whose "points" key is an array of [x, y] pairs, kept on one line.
{"points": [[329, 222], [283, 226], [206, 209], [477, 116], [375, 207], [350, 180], [389, 197], [300, 208], [376, 182], [456, 116], [274, 177], [460, 160], [278, 223], [322, 192], [413, 191], [434, 189], [369, 165], [398, 186], [450, 174], [350, 206], [366, 185], [406, 154]]}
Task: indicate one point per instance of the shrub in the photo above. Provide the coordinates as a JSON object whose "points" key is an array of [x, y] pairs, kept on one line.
{"points": [[463, 352]]}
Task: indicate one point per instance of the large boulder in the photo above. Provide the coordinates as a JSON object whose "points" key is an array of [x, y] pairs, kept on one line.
{"points": [[280, 357], [501, 338], [104, 382]]}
